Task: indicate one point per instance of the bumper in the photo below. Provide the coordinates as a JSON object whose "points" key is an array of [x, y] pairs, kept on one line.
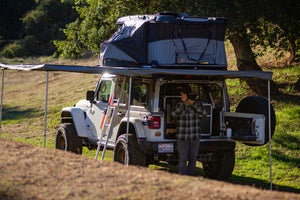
{"points": [[205, 146]]}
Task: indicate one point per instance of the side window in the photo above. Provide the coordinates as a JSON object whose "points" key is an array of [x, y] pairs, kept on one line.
{"points": [[202, 92], [103, 93], [124, 93], [140, 92], [198, 92], [216, 92]]}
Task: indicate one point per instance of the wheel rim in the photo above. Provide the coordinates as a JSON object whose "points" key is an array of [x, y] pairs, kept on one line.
{"points": [[121, 155], [61, 143]]}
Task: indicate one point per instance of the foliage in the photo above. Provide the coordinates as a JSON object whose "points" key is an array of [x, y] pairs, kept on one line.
{"points": [[12, 50], [278, 26], [28, 46], [269, 23], [96, 24], [10, 13], [272, 23], [40, 26]]}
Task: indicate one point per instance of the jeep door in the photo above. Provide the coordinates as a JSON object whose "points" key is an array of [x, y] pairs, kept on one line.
{"points": [[97, 112]]}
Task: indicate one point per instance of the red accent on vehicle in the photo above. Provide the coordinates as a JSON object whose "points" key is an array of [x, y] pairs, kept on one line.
{"points": [[103, 119], [155, 122]]}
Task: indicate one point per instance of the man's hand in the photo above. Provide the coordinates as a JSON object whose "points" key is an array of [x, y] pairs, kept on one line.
{"points": [[191, 102], [183, 97]]}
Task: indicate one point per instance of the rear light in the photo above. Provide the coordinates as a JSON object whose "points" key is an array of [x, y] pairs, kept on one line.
{"points": [[154, 122]]}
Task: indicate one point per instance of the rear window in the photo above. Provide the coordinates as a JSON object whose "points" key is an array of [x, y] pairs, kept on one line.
{"points": [[202, 92]]}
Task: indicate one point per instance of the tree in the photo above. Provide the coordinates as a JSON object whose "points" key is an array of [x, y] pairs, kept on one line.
{"points": [[41, 25], [251, 22], [96, 23], [285, 14], [11, 12]]}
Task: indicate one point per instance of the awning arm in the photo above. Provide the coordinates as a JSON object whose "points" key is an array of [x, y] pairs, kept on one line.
{"points": [[2, 87], [46, 108], [127, 126], [270, 137]]}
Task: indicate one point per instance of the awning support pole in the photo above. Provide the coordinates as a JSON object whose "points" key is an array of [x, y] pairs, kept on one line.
{"points": [[127, 127], [46, 105], [2, 87], [270, 143]]}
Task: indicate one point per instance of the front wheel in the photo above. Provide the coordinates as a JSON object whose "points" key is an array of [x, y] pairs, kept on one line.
{"points": [[221, 168], [131, 155], [67, 139]]}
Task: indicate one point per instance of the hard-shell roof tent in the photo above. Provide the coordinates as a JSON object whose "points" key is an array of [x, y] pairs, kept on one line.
{"points": [[166, 40]]}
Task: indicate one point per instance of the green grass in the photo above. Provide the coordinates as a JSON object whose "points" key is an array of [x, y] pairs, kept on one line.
{"points": [[287, 74], [92, 153]]}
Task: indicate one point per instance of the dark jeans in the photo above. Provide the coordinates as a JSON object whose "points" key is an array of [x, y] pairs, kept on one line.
{"points": [[188, 152]]}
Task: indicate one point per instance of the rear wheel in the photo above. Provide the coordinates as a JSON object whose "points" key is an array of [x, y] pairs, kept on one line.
{"points": [[67, 139], [131, 155], [258, 105], [222, 168]]}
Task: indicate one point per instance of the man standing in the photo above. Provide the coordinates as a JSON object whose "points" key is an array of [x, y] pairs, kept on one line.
{"points": [[188, 130]]}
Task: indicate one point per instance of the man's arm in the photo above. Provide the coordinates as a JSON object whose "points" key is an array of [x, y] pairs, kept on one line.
{"points": [[178, 109], [199, 108]]}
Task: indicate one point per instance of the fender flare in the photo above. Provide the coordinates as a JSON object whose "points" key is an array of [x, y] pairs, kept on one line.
{"points": [[77, 116], [134, 123]]}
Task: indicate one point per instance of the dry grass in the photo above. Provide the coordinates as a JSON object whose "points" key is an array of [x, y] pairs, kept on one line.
{"points": [[31, 172]]}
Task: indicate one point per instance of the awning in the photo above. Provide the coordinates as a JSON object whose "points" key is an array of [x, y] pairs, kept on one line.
{"points": [[142, 71]]}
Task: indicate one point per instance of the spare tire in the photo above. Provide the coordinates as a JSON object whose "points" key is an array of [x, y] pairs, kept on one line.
{"points": [[258, 105]]}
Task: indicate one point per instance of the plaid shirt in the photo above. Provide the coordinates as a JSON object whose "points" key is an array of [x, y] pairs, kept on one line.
{"points": [[188, 120]]}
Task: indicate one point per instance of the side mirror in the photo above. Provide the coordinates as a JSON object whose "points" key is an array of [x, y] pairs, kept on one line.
{"points": [[90, 96]]}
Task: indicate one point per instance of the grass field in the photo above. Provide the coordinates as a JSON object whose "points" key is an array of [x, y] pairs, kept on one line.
{"points": [[23, 120]]}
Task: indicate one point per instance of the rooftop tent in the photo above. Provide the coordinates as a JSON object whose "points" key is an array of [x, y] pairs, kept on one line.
{"points": [[165, 40]]}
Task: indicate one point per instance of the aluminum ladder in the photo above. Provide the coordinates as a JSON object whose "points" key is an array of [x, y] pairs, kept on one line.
{"points": [[106, 125]]}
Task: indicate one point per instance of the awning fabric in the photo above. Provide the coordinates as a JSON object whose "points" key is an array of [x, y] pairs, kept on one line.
{"points": [[141, 71]]}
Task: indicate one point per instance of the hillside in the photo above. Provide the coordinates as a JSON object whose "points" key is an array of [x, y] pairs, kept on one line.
{"points": [[32, 172]]}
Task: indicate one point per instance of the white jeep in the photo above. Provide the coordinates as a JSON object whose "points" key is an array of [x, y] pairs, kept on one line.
{"points": [[152, 129]]}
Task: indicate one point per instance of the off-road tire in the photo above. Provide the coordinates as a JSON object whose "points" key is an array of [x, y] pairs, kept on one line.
{"points": [[222, 168], [258, 105], [173, 162], [134, 154], [67, 139]]}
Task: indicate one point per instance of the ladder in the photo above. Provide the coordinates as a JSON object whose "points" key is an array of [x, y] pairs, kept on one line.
{"points": [[106, 125]]}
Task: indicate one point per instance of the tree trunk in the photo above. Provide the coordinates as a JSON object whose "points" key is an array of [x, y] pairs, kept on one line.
{"points": [[246, 61]]}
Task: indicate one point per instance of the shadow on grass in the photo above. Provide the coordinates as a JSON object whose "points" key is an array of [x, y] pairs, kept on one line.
{"points": [[18, 113], [261, 184], [288, 141], [234, 179]]}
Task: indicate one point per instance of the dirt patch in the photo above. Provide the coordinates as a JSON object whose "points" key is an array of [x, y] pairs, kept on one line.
{"points": [[32, 172]]}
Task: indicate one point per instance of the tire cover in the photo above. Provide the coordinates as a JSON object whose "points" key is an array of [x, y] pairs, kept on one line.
{"points": [[258, 105]]}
